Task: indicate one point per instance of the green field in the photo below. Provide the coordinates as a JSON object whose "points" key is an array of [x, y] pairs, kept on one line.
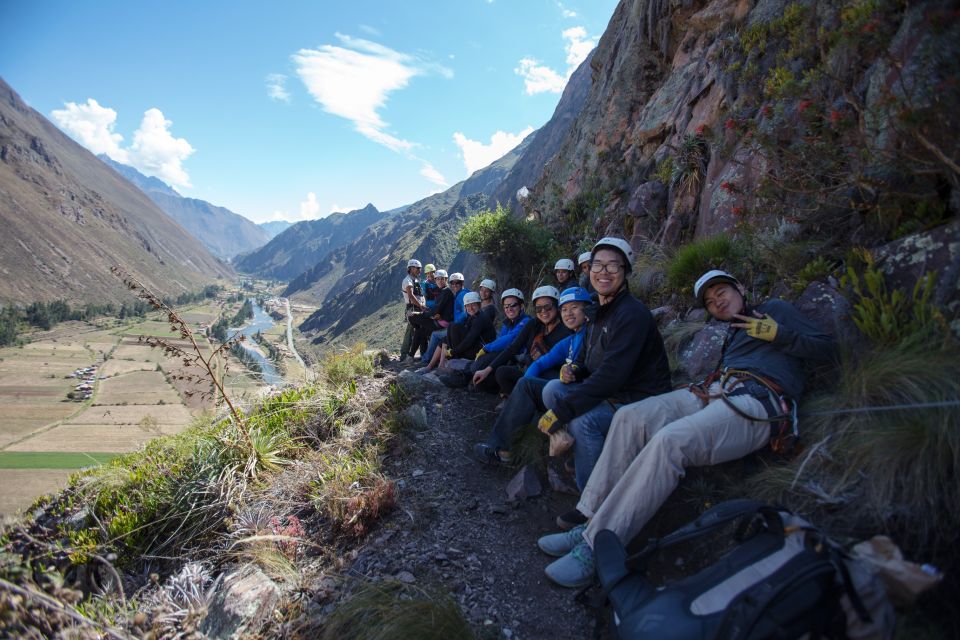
{"points": [[51, 459]]}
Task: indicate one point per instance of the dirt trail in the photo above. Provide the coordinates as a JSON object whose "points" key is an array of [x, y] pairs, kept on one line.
{"points": [[455, 530]]}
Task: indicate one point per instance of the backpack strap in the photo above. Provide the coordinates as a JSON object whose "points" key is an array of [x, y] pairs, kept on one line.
{"points": [[709, 520]]}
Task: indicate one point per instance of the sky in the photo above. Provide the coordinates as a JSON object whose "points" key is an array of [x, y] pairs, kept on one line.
{"points": [[293, 110]]}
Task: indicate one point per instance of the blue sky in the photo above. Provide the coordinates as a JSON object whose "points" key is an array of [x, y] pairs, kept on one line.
{"points": [[291, 110]]}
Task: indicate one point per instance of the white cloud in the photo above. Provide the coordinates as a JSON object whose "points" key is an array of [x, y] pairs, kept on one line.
{"points": [[477, 155], [430, 172], [369, 30], [156, 152], [539, 78], [92, 126], [336, 208], [566, 13], [277, 87], [309, 208], [353, 81]]}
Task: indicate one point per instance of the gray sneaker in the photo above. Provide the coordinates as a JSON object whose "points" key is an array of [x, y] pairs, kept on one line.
{"points": [[559, 544], [574, 570]]}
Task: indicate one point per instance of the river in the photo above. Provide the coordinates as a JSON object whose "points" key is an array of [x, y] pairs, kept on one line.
{"points": [[261, 322]]}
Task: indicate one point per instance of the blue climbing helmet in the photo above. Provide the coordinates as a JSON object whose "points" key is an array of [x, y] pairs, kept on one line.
{"points": [[574, 294]]}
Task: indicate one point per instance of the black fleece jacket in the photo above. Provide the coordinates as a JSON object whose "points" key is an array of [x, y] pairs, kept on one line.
{"points": [[623, 359], [477, 329]]}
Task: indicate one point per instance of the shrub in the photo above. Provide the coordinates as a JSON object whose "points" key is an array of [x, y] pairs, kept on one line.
{"points": [[345, 366], [692, 260], [350, 489], [514, 249]]}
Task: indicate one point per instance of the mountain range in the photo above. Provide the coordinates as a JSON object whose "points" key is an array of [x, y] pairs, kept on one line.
{"points": [[67, 218], [222, 231]]}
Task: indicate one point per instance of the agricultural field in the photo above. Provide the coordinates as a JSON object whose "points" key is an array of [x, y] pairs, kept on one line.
{"points": [[138, 394]]}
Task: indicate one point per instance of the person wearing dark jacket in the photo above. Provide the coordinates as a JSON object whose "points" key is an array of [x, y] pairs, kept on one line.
{"points": [[463, 339], [623, 361], [534, 340], [437, 318], [565, 274], [743, 406]]}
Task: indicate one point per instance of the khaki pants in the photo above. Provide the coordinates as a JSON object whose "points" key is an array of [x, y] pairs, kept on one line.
{"points": [[648, 448]]}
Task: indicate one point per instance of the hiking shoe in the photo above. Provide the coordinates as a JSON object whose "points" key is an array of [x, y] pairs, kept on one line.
{"points": [[488, 455], [560, 544], [574, 570], [570, 519]]}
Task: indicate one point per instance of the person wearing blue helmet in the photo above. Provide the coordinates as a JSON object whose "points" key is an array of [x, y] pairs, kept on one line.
{"points": [[526, 400]]}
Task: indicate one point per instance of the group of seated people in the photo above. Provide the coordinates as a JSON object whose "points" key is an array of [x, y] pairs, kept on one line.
{"points": [[590, 370]]}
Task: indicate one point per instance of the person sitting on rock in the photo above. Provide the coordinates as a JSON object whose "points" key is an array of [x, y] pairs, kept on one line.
{"points": [[623, 361], [533, 341], [565, 274], [414, 303], [745, 404], [430, 288], [526, 400], [455, 284], [488, 304], [584, 262], [464, 339], [429, 321], [513, 322]]}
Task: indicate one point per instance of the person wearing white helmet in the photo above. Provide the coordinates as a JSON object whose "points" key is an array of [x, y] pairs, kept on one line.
{"points": [[414, 302], [527, 397], [463, 339], [437, 318], [488, 304], [534, 340], [455, 284], [565, 273], [623, 361], [738, 409], [584, 262]]}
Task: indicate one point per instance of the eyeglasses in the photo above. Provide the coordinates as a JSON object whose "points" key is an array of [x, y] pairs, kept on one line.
{"points": [[609, 267], [511, 306], [544, 308]]}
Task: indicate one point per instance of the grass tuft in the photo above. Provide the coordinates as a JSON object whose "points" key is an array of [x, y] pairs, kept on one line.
{"points": [[346, 366], [393, 611], [696, 258]]}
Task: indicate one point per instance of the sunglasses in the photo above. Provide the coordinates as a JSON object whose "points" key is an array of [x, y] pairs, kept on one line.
{"points": [[544, 308], [511, 306]]}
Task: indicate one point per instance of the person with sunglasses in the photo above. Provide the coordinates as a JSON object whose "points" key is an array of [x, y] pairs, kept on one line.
{"points": [[455, 284], [463, 339], [536, 339], [526, 400], [514, 320], [623, 361]]}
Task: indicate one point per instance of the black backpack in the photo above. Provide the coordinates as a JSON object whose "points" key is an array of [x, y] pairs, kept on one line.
{"points": [[783, 580]]}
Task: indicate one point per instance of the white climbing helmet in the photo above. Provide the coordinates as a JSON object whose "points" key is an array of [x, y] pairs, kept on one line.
{"points": [[584, 257], [489, 284], [617, 244], [711, 277], [456, 277], [565, 264], [546, 291], [413, 263], [441, 273], [471, 298], [514, 293]]}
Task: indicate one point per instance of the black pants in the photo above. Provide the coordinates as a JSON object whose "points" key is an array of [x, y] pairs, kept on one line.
{"points": [[507, 377], [423, 326]]}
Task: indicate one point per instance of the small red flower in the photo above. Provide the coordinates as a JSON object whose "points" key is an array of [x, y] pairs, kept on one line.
{"points": [[835, 116], [730, 124], [804, 105], [870, 27], [727, 186], [700, 129], [737, 211], [767, 110]]}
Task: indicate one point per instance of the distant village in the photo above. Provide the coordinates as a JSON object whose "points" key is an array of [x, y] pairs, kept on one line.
{"points": [[84, 390]]}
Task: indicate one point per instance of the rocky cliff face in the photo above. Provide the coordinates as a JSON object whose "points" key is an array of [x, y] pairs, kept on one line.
{"points": [[67, 218], [299, 247], [835, 119], [222, 231]]}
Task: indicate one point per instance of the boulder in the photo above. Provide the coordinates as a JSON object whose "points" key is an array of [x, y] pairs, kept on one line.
{"points": [[649, 199], [525, 484], [702, 355], [415, 417], [830, 311], [242, 604], [412, 383]]}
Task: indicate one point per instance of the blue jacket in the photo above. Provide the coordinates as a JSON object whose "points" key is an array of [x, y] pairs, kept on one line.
{"points": [[459, 314], [507, 333], [430, 291], [564, 351]]}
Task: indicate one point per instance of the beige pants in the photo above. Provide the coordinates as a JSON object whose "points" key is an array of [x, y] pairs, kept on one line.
{"points": [[648, 448]]}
